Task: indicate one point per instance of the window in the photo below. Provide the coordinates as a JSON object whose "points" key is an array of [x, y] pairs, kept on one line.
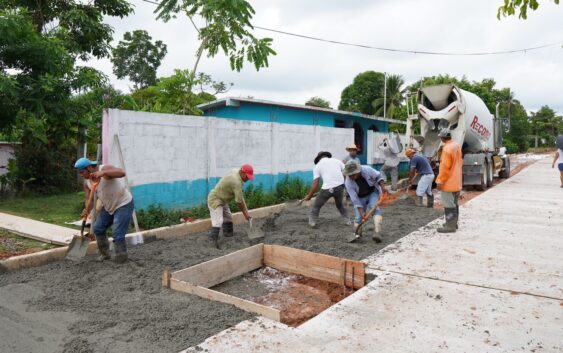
{"points": [[373, 128], [359, 137], [339, 123]]}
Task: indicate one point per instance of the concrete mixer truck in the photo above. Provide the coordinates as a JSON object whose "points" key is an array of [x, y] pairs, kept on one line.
{"points": [[472, 126]]}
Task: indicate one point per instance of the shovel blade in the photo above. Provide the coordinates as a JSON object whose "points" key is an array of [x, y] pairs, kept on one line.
{"points": [[256, 229], [77, 248], [352, 238]]}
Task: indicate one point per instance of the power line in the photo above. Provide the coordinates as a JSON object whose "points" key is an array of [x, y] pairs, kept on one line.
{"points": [[395, 50]]}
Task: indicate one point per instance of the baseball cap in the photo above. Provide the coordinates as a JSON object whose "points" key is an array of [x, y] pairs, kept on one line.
{"points": [[83, 163], [248, 170]]}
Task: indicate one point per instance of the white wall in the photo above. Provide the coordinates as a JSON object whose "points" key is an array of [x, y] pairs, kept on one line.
{"points": [[166, 148], [6, 153]]}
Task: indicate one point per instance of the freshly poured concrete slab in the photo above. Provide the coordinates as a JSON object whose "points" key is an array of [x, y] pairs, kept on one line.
{"points": [[46, 232], [397, 313], [494, 286]]}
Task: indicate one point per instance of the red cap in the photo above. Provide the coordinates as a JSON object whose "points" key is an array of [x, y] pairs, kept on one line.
{"points": [[248, 170]]}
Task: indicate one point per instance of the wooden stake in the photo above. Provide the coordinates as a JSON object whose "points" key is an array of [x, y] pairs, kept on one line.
{"points": [[166, 275]]}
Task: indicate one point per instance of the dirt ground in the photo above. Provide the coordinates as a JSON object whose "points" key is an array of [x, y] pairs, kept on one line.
{"points": [[103, 307]]}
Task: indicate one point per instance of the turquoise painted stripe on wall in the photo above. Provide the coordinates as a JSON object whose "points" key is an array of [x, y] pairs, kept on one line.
{"points": [[191, 193]]}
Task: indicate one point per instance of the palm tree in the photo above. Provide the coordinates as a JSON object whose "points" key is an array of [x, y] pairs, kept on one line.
{"points": [[395, 97]]}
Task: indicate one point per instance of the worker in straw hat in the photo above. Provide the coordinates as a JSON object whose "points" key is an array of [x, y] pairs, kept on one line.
{"points": [[229, 188], [420, 165], [365, 186], [352, 153]]}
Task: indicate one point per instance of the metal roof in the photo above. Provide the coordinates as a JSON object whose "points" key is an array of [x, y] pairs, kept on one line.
{"points": [[235, 102]]}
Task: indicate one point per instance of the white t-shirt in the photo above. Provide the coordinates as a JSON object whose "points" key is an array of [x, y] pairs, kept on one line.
{"points": [[560, 159], [112, 193], [330, 170]]}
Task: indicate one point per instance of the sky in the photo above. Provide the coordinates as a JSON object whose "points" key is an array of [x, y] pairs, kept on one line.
{"points": [[303, 68]]}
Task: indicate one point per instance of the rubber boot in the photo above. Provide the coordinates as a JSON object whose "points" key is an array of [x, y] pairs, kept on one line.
{"points": [[450, 225], [430, 202], [312, 222], [103, 247], [214, 236], [418, 201], [120, 252], [456, 217], [378, 228], [228, 229]]}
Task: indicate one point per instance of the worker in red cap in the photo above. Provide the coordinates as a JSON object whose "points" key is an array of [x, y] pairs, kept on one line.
{"points": [[229, 188]]}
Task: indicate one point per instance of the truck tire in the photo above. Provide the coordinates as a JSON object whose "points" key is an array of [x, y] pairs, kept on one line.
{"points": [[505, 171], [484, 178], [490, 174]]}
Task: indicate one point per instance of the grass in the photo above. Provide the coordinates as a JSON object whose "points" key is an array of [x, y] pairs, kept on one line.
{"points": [[12, 244], [55, 209]]}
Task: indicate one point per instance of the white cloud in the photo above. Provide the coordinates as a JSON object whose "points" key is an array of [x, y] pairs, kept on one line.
{"points": [[305, 68]]}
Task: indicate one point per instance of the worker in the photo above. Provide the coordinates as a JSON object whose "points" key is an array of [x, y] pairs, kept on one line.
{"points": [[420, 165], [330, 171], [352, 153], [229, 188], [390, 164], [449, 180], [117, 202], [365, 186], [558, 157]]}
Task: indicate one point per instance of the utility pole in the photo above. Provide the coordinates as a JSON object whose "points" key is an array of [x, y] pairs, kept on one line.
{"points": [[385, 94]]}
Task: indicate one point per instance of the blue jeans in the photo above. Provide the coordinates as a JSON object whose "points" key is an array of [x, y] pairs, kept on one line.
{"points": [[425, 185], [119, 221], [368, 202]]}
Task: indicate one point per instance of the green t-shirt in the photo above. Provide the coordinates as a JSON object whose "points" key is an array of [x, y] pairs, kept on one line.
{"points": [[228, 188]]}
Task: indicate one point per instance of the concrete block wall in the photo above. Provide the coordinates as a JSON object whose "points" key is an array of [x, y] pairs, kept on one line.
{"points": [[176, 160]]}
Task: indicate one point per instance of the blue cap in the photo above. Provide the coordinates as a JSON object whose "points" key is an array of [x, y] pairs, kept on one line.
{"points": [[83, 163]]}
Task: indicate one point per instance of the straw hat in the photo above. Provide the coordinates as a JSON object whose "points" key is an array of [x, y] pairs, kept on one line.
{"points": [[352, 147], [352, 167]]}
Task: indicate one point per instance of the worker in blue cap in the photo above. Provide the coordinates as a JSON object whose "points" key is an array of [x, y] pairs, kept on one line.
{"points": [[117, 203]]}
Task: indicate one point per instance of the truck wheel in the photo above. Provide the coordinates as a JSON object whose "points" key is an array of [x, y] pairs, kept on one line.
{"points": [[484, 178], [489, 174], [505, 171]]}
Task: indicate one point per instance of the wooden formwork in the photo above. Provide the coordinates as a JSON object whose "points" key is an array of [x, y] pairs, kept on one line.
{"points": [[200, 278]]}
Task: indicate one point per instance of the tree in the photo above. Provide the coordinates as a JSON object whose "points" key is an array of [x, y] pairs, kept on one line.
{"points": [[546, 125], [395, 97], [40, 42], [318, 102], [510, 7], [138, 58], [358, 97], [227, 28]]}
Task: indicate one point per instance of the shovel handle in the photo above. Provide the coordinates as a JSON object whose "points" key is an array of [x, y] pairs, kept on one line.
{"points": [[368, 215], [90, 199]]}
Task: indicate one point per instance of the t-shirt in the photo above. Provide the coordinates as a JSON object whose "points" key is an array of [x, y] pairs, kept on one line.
{"points": [[330, 170], [228, 188], [560, 159], [349, 158], [111, 192], [364, 189], [421, 164]]}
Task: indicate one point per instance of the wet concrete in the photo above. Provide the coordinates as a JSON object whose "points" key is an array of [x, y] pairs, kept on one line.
{"points": [[113, 308]]}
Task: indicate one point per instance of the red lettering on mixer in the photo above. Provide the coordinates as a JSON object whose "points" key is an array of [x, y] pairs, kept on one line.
{"points": [[479, 128]]}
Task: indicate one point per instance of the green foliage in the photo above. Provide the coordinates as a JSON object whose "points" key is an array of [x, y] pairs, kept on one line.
{"points": [[359, 96], [395, 98], [547, 125], [318, 102], [157, 216], [227, 28], [138, 58], [511, 7]]}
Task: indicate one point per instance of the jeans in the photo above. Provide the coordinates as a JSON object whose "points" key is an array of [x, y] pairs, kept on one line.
{"points": [[425, 185], [323, 197], [119, 221], [368, 202], [394, 171]]}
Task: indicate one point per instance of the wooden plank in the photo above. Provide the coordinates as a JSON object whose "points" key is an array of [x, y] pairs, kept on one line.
{"points": [[210, 294], [166, 275], [224, 268], [29, 228], [319, 266]]}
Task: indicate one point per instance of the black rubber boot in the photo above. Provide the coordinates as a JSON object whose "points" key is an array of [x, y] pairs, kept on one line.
{"points": [[418, 201], [103, 247], [120, 252], [430, 202], [228, 229], [456, 216], [450, 225], [214, 236]]}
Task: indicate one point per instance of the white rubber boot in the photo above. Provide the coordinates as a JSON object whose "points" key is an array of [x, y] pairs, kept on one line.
{"points": [[378, 228]]}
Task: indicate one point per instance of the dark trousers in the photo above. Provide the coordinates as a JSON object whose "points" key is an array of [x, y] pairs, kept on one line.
{"points": [[323, 197]]}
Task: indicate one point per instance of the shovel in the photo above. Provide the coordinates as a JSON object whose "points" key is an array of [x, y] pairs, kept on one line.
{"points": [[78, 246], [255, 232], [355, 236]]}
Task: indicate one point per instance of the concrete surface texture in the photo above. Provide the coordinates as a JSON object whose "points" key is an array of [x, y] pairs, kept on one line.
{"points": [[494, 286], [171, 158], [49, 233]]}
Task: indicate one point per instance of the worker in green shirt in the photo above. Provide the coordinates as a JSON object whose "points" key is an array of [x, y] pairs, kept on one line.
{"points": [[229, 188]]}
